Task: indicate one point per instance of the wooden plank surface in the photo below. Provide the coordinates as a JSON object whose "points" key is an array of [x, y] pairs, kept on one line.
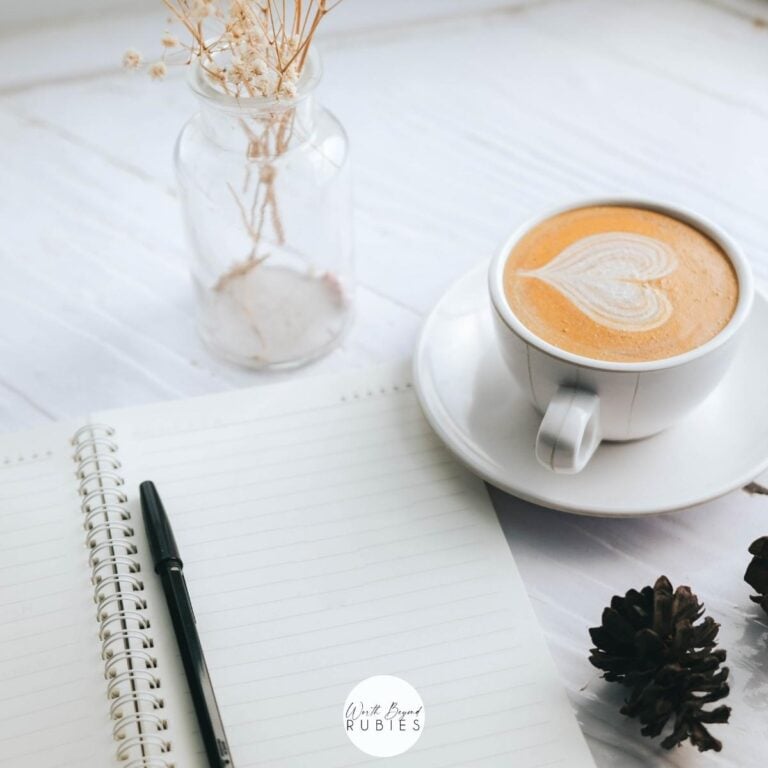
{"points": [[464, 118], [543, 104]]}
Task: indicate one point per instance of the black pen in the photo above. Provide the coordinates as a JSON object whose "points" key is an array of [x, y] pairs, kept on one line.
{"points": [[168, 565]]}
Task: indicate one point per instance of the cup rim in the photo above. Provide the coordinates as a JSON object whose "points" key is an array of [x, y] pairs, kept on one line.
{"points": [[705, 226]]}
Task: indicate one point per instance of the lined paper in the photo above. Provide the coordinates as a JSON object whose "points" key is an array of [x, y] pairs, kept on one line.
{"points": [[327, 537], [53, 707]]}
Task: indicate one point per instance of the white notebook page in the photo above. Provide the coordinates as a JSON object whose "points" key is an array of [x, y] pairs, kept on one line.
{"points": [[328, 536], [53, 705]]}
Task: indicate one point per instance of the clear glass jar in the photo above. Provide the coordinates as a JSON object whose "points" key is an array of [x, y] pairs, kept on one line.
{"points": [[266, 195]]}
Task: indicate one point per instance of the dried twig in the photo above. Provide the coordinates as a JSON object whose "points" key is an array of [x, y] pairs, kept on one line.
{"points": [[266, 42], [254, 49]]}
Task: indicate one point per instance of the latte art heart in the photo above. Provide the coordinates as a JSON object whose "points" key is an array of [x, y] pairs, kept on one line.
{"points": [[591, 280], [607, 277]]}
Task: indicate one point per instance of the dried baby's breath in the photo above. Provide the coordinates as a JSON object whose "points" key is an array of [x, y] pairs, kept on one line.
{"points": [[158, 70], [247, 47], [132, 59], [169, 41]]}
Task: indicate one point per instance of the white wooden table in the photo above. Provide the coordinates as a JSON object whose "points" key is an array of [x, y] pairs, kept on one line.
{"points": [[464, 117]]}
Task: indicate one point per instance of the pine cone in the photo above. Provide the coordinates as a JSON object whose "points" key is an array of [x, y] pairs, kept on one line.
{"points": [[650, 642], [757, 571]]}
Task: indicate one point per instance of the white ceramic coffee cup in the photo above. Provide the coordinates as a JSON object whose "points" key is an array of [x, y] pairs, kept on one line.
{"points": [[585, 401]]}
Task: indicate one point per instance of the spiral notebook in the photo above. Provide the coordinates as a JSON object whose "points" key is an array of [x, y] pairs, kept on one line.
{"points": [[327, 537]]}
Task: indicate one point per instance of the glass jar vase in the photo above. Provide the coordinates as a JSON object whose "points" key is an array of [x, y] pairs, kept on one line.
{"points": [[266, 196]]}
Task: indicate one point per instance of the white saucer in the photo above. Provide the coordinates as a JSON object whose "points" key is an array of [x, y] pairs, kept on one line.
{"points": [[474, 406]]}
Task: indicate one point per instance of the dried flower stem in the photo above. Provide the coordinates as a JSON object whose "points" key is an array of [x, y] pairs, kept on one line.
{"points": [[254, 49]]}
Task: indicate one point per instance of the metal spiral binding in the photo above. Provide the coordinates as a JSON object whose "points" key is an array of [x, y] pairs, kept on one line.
{"points": [[130, 667]]}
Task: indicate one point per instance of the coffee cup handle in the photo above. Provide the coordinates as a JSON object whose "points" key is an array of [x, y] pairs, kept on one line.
{"points": [[570, 430]]}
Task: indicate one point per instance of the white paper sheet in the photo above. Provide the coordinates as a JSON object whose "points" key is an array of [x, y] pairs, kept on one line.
{"points": [[53, 705], [328, 537]]}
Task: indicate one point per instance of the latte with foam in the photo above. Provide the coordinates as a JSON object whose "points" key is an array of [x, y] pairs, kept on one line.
{"points": [[620, 283]]}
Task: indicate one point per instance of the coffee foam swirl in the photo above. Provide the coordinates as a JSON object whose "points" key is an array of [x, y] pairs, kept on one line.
{"points": [[606, 276]]}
